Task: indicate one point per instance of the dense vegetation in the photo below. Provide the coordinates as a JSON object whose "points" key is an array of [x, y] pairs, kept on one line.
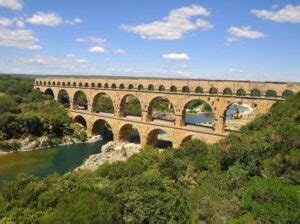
{"points": [[26, 112], [250, 177]]}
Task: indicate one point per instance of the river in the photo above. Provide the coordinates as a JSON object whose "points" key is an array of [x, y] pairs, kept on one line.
{"points": [[42, 163]]}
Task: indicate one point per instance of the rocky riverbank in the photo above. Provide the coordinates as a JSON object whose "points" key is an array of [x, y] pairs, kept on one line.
{"points": [[111, 152]]}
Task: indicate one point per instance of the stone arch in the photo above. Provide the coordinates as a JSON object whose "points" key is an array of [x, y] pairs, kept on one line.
{"points": [[74, 84], [129, 133], [113, 86], [199, 89], [49, 92], [161, 88], [93, 85], [213, 90], [173, 89], [86, 84], [237, 114], [241, 92], [53, 83], [80, 100], [49, 83], [151, 87], [102, 102], [185, 89], [198, 112], [164, 109], [63, 98], [58, 83], [99, 85], [286, 93], [140, 87], [36, 82], [69, 84], [255, 92], [103, 128], [121, 86], [106, 86], [155, 138], [80, 84], [227, 91], [41, 83], [80, 120], [63, 84], [45, 83], [130, 86], [271, 93], [130, 105]]}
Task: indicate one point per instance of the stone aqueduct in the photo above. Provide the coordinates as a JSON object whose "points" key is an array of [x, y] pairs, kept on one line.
{"points": [[219, 94]]}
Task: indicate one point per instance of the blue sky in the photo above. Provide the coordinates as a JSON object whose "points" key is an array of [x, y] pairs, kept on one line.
{"points": [[212, 39]]}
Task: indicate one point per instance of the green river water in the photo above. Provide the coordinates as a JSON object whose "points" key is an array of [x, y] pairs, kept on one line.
{"points": [[42, 163]]}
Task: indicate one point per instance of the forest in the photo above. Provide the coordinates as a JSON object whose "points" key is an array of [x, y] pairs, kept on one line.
{"points": [[249, 177]]}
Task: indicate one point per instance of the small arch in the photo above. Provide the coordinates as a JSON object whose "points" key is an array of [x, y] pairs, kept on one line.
{"points": [[80, 101], [255, 92], [150, 87], [58, 83], [271, 93], [80, 120], [36, 82], [68, 84], [140, 87], [106, 85], [129, 133], [63, 84], [185, 89], [80, 84], [49, 83], [121, 86], [130, 86], [161, 108], [161, 88], [103, 128], [86, 85], [173, 89], [198, 113], [41, 83], [102, 103], [74, 84], [159, 138], [227, 91], [50, 93], [130, 106], [93, 84], [113, 86], [63, 98], [45, 83], [287, 93], [213, 91], [99, 85], [241, 92], [53, 83], [199, 89]]}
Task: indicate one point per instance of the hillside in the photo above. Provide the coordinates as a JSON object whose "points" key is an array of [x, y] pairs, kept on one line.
{"points": [[249, 177]]}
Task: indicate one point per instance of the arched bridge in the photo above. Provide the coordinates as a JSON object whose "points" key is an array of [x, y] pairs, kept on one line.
{"points": [[219, 94]]}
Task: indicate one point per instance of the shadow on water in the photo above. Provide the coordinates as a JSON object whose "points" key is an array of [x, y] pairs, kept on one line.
{"points": [[42, 163]]}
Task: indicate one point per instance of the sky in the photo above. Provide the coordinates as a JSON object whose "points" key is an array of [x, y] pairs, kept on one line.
{"points": [[206, 39]]}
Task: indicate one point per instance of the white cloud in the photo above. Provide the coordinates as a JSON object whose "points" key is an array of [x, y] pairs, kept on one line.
{"points": [[95, 40], [231, 39], [173, 26], [289, 13], [235, 70], [5, 22], [183, 66], [54, 65], [20, 24], [74, 21], [19, 38], [12, 4], [245, 32], [45, 19], [119, 51], [96, 49], [174, 56]]}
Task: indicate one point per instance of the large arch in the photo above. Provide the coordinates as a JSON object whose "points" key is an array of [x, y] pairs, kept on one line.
{"points": [[159, 138], [80, 101], [50, 93], [130, 105], [198, 112], [128, 133], [103, 128], [63, 98], [161, 108], [80, 120], [102, 103]]}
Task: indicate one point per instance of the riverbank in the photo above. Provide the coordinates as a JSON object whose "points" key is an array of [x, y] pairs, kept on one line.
{"points": [[111, 152], [28, 144]]}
